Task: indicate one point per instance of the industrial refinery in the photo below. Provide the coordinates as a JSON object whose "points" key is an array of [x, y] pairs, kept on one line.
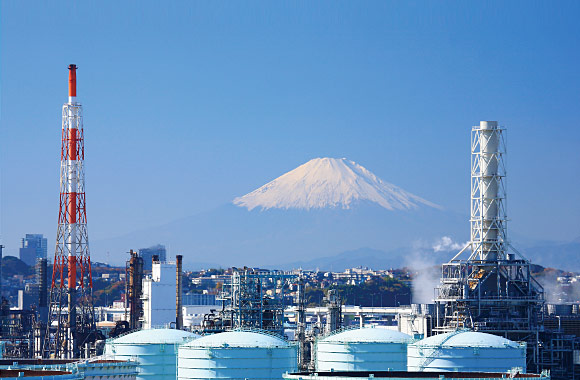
{"points": [[488, 319]]}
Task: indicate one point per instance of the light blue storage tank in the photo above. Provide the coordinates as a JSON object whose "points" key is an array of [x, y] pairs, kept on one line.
{"points": [[155, 351], [366, 349], [238, 354], [467, 351]]}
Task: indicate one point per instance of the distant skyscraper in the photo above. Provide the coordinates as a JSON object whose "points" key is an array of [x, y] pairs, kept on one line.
{"points": [[34, 246], [148, 253]]}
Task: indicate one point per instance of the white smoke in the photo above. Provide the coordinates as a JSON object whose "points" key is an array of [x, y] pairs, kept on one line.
{"points": [[552, 289], [426, 273], [555, 291], [446, 244], [426, 266]]}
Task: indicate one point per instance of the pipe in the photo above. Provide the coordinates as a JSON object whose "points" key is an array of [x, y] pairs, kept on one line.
{"points": [[72, 83], [178, 291]]}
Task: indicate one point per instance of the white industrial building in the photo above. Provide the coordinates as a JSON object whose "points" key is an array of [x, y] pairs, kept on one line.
{"points": [[159, 296]]}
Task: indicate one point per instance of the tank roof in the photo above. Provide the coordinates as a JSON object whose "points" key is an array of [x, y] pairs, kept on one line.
{"points": [[467, 338], [155, 336], [239, 338], [368, 334]]}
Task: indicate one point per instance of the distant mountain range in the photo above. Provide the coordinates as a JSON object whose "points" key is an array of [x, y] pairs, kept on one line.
{"points": [[320, 215], [565, 256], [561, 256], [318, 209]]}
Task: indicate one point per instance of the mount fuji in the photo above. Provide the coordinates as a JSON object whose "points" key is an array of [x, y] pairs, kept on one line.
{"points": [[329, 183], [322, 208]]}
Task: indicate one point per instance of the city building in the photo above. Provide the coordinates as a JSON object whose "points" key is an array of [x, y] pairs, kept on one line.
{"points": [[34, 246], [148, 253]]}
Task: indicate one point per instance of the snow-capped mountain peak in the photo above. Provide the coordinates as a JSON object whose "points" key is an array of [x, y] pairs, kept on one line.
{"points": [[329, 183]]}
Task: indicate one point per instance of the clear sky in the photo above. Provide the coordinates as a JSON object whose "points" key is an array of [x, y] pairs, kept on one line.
{"points": [[190, 104]]}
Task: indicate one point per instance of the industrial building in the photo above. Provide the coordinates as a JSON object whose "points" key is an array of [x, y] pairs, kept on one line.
{"points": [[251, 299], [159, 296], [488, 286]]}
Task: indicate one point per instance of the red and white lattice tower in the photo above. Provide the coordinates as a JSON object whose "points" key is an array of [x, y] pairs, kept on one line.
{"points": [[71, 324]]}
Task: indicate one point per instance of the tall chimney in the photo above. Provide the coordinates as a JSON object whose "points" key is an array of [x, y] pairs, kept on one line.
{"points": [[178, 291], [488, 219], [134, 290], [41, 281]]}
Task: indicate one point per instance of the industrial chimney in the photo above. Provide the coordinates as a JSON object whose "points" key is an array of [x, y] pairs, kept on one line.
{"points": [[134, 291], [72, 281], [488, 219], [41, 281], [178, 292]]}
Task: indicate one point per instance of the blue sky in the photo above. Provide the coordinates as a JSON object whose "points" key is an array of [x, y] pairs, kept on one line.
{"points": [[190, 104]]}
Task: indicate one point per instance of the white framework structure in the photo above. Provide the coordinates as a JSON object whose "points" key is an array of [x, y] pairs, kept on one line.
{"points": [[493, 290], [488, 193]]}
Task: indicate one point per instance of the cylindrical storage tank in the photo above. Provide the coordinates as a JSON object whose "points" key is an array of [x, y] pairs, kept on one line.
{"points": [[365, 349], [155, 351], [466, 351], [238, 354]]}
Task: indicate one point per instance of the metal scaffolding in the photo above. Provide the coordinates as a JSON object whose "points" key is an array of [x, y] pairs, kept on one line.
{"points": [[492, 290], [252, 298], [257, 299]]}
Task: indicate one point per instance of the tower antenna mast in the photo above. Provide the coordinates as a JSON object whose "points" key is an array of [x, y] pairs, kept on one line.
{"points": [[71, 324]]}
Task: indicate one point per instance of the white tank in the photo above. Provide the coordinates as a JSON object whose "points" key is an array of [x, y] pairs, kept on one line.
{"points": [[155, 351], [365, 349], [238, 354], [466, 351]]}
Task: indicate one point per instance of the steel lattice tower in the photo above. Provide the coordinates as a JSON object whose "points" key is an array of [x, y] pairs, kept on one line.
{"points": [[71, 322], [488, 214], [493, 290]]}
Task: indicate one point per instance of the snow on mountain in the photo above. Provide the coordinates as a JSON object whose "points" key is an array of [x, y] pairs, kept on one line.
{"points": [[329, 183]]}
